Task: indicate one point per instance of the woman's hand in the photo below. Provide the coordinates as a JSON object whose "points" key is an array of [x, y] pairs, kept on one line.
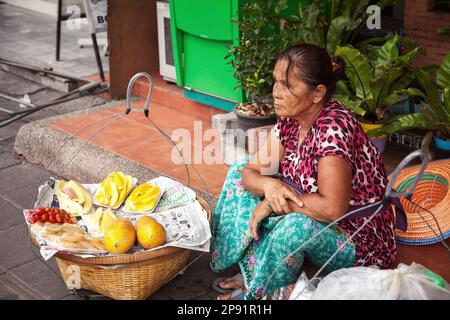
{"points": [[276, 193], [261, 211]]}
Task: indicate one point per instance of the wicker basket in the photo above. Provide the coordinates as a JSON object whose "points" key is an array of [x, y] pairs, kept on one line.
{"points": [[433, 193], [125, 277]]}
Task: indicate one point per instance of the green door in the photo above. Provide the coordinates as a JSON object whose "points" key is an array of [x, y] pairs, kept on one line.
{"points": [[204, 32]]}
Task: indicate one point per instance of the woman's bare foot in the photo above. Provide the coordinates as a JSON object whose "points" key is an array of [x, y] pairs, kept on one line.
{"points": [[231, 283], [228, 296]]}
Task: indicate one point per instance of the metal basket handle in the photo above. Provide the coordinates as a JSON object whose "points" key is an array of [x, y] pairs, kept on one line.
{"points": [[129, 92], [424, 154]]}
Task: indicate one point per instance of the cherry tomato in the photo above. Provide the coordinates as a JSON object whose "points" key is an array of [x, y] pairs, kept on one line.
{"points": [[44, 217], [34, 219], [51, 218], [39, 211], [59, 218]]}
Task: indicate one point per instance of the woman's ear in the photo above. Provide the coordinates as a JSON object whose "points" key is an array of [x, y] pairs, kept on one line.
{"points": [[319, 93]]}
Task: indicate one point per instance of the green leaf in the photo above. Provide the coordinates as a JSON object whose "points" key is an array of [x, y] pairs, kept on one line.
{"points": [[342, 89], [407, 58], [431, 92], [447, 102], [388, 52], [404, 81], [372, 40], [411, 92], [404, 122], [381, 85], [386, 3], [357, 69], [443, 73], [335, 34], [358, 9], [353, 105], [393, 99]]}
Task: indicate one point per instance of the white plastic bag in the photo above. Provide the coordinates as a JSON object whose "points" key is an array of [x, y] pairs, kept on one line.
{"points": [[414, 282]]}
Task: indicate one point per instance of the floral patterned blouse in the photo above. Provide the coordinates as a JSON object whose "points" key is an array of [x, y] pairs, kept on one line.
{"points": [[336, 132]]}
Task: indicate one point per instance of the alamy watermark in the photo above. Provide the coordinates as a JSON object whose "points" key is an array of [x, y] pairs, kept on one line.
{"points": [[374, 19], [208, 147]]}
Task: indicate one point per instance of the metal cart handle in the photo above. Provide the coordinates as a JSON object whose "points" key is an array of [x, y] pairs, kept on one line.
{"points": [[129, 92], [424, 154]]}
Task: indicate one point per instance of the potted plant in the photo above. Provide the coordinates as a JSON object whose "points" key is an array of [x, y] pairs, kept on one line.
{"points": [[435, 109], [253, 60], [266, 29], [376, 84]]}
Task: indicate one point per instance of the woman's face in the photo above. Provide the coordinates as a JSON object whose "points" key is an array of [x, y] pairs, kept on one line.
{"points": [[299, 99]]}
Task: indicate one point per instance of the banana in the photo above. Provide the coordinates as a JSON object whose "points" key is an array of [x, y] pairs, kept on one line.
{"points": [[73, 197]]}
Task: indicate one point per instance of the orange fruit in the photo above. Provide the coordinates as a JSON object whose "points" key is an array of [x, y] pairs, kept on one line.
{"points": [[119, 236], [150, 233]]}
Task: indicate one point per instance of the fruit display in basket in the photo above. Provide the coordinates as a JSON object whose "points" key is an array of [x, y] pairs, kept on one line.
{"points": [[120, 236], [150, 233], [51, 215], [113, 190], [143, 198], [73, 197]]}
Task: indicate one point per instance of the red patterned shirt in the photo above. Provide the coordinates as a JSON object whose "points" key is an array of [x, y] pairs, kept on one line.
{"points": [[336, 132]]}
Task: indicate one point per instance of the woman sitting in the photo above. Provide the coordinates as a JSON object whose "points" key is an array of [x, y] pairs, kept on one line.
{"points": [[318, 146]]}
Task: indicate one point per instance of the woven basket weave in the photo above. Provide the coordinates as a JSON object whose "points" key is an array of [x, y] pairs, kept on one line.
{"points": [[432, 193], [128, 276]]}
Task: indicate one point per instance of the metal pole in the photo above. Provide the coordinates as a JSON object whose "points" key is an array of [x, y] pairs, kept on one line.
{"points": [[97, 57], [58, 29], [41, 70]]}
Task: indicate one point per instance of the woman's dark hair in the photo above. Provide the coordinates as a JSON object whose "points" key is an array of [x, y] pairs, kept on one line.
{"points": [[313, 65]]}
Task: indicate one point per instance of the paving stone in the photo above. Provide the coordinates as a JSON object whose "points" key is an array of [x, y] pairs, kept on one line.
{"points": [[20, 176], [205, 297], [11, 290], [9, 131], [194, 283], [41, 279], [16, 86], [158, 295], [23, 198], [10, 215], [7, 156], [73, 297], [15, 247]]}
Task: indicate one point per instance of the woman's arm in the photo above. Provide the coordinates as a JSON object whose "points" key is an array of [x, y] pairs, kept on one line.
{"points": [[334, 183], [256, 176]]}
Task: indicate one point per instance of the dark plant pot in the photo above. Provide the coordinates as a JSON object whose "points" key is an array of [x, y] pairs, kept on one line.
{"points": [[248, 122], [380, 141], [442, 148]]}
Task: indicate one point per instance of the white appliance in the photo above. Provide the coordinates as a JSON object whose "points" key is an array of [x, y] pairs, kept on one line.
{"points": [[166, 61]]}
